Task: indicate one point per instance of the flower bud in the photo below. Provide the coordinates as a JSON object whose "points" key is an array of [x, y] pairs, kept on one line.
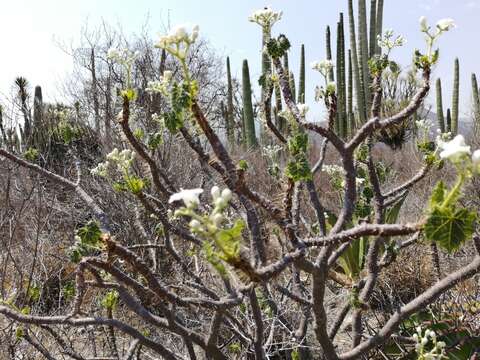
{"points": [[218, 219], [220, 203], [227, 195], [215, 191], [195, 225]]}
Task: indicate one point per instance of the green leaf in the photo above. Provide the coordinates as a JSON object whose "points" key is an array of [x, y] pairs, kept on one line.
{"points": [[110, 300], [90, 233], [298, 170], [438, 195], [228, 240], [173, 121], [393, 211], [449, 227]]}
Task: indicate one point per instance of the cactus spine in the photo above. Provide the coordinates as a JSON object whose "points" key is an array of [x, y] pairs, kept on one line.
{"points": [[229, 125], [248, 107], [455, 97], [301, 78], [476, 102], [359, 93], [440, 117], [329, 52]]}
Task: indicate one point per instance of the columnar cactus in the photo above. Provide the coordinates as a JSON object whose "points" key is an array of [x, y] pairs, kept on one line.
{"points": [[328, 44], [379, 24], [449, 121], [37, 107], [350, 113], [229, 120], [373, 28], [455, 97], [363, 53], [440, 117], [248, 117], [475, 101], [341, 86], [359, 93], [292, 85], [301, 78]]}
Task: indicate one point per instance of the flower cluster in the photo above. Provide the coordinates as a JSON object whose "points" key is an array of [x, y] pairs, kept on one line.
{"points": [[265, 17], [323, 67], [388, 42], [162, 86], [190, 197], [178, 40], [424, 124], [333, 170], [427, 338], [303, 109], [123, 56], [442, 26], [455, 149], [458, 152], [121, 160]]}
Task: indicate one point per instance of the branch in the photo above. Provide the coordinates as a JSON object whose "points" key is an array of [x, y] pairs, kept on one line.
{"points": [[428, 297]]}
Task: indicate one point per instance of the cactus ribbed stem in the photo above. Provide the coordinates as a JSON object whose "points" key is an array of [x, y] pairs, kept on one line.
{"points": [[359, 94], [229, 111], [440, 117], [341, 86], [301, 78], [328, 43], [248, 107], [455, 97], [476, 101], [351, 117], [379, 24], [292, 85], [363, 54], [373, 28], [449, 121]]}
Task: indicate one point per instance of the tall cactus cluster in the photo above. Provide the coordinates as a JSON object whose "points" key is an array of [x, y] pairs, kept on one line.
{"points": [[354, 82], [450, 122]]}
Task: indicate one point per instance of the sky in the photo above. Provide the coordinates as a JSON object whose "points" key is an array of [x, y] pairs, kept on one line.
{"points": [[32, 29]]}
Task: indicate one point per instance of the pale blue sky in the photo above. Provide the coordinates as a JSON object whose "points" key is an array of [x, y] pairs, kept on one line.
{"points": [[28, 28]]}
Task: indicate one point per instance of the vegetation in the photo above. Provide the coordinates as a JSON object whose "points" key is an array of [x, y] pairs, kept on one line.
{"points": [[159, 225]]}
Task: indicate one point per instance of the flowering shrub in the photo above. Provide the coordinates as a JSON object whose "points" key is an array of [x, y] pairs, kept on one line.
{"points": [[250, 271]]}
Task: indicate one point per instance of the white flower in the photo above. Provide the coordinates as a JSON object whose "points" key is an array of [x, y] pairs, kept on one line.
{"points": [[190, 197], [122, 56], [441, 344], [195, 225], [476, 160], [446, 24], [455, 149], [302, 109], [423, 24], [265, 17], [227, 195], [323, 66], [215, 191], [217, 219], [179, 35]]}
